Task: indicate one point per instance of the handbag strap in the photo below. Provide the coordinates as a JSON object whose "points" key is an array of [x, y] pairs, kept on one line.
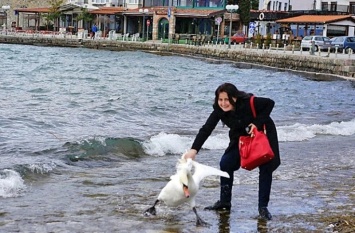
{"points": [[252, 106], [253, 110]]}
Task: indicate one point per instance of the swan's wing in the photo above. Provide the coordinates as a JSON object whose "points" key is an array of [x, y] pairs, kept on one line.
{"points": [[202, 171]]}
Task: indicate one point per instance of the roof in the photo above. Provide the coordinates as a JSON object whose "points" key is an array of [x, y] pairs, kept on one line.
{"points": [[197, 12], [108, 10], [179, 12], [268, 11], [315, 19], [70, 6], [34, 10], [65, 7]]}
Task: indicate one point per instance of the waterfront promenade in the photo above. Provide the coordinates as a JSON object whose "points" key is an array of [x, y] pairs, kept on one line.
{"points": [[320, 65]]}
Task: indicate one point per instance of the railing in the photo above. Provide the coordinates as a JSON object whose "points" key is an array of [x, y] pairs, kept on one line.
{"points": [[335, 8]]}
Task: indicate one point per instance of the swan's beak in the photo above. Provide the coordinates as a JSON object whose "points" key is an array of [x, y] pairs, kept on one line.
{"points": [[186, 191]]}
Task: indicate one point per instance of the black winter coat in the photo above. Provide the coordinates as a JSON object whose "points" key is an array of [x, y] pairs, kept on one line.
{"points": [[237, 120]]}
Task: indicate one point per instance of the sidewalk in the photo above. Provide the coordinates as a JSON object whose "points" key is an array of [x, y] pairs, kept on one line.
{"points": [[287, 51], [223, 47]]}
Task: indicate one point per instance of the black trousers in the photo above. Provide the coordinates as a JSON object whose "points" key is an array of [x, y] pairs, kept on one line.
{"points": [[229, 163]]}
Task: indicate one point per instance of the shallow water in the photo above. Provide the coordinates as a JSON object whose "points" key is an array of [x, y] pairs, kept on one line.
{"points": [[88, 138]]}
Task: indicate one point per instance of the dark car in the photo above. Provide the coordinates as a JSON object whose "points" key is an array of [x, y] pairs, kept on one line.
{"points": [[343, 43], [238, 38]]}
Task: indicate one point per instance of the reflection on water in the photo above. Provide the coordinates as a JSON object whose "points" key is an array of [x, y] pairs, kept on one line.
{"points": [[262, 226], [224, 221], [224, 224]]}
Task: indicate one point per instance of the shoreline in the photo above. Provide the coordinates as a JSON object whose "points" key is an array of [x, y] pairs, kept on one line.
{"points": [[321, 67], [316, 76]]}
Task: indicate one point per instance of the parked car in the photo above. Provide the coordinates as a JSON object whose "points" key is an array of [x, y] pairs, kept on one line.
{"points": [[238, 38], [320, 42], [343, 43]]}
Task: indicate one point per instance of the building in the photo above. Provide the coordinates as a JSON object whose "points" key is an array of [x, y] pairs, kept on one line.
{"points": [[273, 15], [8, 16], [270, 5], [162, 19], [308, 5], [105, 3], [158, 19]]}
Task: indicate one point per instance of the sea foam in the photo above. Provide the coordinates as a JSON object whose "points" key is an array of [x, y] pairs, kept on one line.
{"points": [[11, 183], [164, 143]]}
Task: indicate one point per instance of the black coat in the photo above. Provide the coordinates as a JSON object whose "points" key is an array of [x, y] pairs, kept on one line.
{"points": [[237, 120]]}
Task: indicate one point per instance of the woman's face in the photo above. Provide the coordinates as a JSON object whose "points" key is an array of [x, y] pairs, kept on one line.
{"points": [[223, 102]]}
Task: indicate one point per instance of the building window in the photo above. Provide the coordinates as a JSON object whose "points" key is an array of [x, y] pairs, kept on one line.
{"points": [[325, 6], [352, 8], [98, 1], [333, 6]]}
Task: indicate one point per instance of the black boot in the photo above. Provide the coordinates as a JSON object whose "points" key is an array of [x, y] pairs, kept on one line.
{"points": [[219, 206], [225, 199], [264, 213]]}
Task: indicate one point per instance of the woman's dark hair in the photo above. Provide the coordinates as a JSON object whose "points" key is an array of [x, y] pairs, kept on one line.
{"points": [[232, 92]]}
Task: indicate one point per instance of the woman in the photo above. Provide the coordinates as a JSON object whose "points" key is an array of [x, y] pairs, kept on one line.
{"points": [[232, 107]]}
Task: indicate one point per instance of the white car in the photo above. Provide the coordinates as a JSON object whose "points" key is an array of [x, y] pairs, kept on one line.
{"points": [[320, 43]]}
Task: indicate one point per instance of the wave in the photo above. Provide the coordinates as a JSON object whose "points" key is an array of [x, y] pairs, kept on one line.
{"points": [[301, 132], [96, 148], [163, 143], [39, 165], [107, 149], [11, 183]]}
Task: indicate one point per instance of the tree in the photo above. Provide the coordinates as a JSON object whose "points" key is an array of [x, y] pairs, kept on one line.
{"points": [[54, 12], [244, 11], [254, 4], [85, 16]]}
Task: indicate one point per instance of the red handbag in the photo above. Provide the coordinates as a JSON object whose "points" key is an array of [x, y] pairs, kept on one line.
{"points": [[254, 151]]}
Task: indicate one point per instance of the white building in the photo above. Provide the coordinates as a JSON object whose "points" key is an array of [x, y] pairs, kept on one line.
{"points": [[304, 5], [272, 5], [299, 5], [324, 5], [98, 3]]}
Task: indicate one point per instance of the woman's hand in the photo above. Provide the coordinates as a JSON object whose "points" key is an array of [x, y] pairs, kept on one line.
{"points": [[251, 127], [190, 154]]}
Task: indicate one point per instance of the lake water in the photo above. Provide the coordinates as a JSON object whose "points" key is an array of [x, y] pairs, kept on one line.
{"points": [[88, 138]]}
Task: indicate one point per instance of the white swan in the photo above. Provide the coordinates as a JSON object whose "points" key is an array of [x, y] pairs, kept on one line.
{"points": [[183, 186]]}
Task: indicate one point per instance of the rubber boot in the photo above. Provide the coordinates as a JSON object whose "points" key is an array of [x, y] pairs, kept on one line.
{"points": [[225, 199]]}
